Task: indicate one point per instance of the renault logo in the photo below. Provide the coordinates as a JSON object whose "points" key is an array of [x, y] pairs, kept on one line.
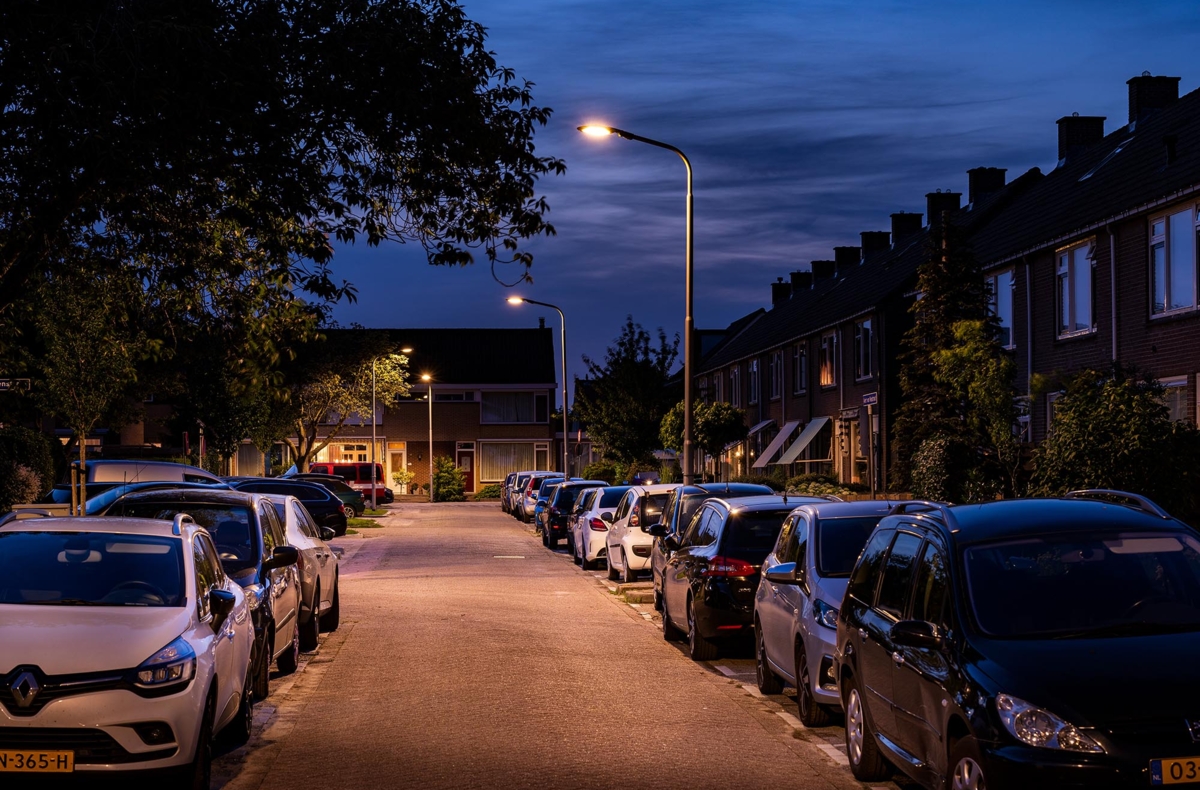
{"points": [[26, 687], [1193, 726]]}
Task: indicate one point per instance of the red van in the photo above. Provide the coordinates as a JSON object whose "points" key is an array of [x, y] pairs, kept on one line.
{"points": [[357, 475]]}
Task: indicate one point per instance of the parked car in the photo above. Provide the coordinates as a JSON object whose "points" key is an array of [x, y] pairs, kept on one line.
{"points": [[677, 514], [710, 580], [103, 474], [320, 604], [124, 646], [1025, 643], [352, 498], [321, 503], [627, 539], [358, 477], [796, 607], [544, 486], [253, 551], [506, 492], [591, 525], [516, 494], [528, 498], [560, 506]]}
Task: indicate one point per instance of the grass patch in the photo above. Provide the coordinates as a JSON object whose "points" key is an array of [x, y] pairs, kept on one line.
{"points": [[363, 523], [376, 512], [351, 531]]}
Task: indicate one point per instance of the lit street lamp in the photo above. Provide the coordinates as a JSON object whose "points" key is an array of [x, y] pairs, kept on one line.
{"points": [[605, 131], [429, 395], [563, 343], [374, 441]]}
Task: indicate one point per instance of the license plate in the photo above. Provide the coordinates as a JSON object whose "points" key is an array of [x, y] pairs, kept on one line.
{"points": [[1175, 772], [35, 762]]}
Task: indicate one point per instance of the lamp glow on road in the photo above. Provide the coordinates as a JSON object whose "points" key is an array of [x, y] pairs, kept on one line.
{"points": [[515, 300], [596, 131]]}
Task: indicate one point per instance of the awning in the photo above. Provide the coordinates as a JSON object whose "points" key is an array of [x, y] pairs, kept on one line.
{"points": [[760, 427], [806, 436], [776, 443]]}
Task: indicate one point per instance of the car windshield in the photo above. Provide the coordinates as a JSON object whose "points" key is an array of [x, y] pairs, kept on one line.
{"points": [[547, 484], [839, 542], [612, 496], [90, 569], [565, 500], [753, 532], [1073, 586], [231, 527], [653, 505]]}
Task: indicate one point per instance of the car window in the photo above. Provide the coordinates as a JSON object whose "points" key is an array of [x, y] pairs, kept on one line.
{"points": [[652, 507], [754, 531], [669, 510], [304, 521], [800, 555], [206, 577], [198, 479], [931, 601], [785, 535], [839, 541], [267, 521], [710, 528], [623, 508], [866, 573], [896, 584], [691, 503], [229, 525], [691, 533], [611, 496]]}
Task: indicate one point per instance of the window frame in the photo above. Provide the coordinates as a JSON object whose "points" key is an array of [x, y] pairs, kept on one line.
{"points": [[1068, 275], [1163, 239], [829, 347], [800, 368], [718, 387], [993, 280], [777, 371], [753, 374], [735, 386], [863, 357]]}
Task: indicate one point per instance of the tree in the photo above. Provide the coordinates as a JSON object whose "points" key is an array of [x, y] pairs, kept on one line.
{"points": [[448, 480], [624, 402], [203, 140], [1112, 430], [715, 426]]}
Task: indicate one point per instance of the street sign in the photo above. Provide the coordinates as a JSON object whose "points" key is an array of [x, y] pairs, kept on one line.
{"points": [[12, 385], [870, 398]]}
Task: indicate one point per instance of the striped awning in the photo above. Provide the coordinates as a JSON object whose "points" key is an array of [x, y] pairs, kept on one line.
{"points": [[803, 440], [785, 433]]}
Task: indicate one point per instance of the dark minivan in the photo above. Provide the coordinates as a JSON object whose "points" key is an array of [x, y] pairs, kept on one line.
{"points": [[1025, 643], [322, 504]]}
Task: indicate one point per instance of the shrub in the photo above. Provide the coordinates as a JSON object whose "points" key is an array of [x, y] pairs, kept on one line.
{"points": [[601, 470], [26, 466], [448, 481], [491, 491], [668, 473]]}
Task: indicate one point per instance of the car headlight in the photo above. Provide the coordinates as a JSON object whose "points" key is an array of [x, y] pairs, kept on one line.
{"points": [[254, 596], [826, 615], [1039, 727], [175, 663]]}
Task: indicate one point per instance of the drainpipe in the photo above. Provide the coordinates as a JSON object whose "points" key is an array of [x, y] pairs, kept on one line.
{"points": [[841, 374], [1028, 334], [1112, 275]]}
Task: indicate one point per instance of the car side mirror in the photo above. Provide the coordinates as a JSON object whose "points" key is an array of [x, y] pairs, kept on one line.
{"points": [[783, 573], [282, 557], [220, 603], [648, 527], [606, 516], [917, 633], [657, 529], [327, 533]]}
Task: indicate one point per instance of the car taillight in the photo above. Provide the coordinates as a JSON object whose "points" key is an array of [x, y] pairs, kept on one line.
{"points": [[728, 566], [634, 520], [598, 525]]}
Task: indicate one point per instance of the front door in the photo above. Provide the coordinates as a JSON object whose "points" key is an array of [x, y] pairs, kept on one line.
{"points": [[397, 462], [465, 461]]}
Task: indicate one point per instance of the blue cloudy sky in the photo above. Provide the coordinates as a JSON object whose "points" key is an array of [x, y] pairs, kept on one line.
{"points": [[807, 122]]}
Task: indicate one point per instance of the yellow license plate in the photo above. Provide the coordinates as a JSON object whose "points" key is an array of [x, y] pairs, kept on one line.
{"points": [[36, 762], [1175, 772]]}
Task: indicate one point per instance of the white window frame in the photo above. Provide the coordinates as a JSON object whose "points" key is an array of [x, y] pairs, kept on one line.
{"points": [[1068, 273], [1162, 238], [799, 368], [776, 375], [863, 361], [829, 347], [1051, 398], [995, 301], [735, 386], [718, 387], [755, 377], [1176, 383]]}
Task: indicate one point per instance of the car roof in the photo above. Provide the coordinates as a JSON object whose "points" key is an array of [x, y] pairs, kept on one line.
{"points": [[585, 484], [764, 502], [197, 496], [730, 488], [121, 525], [656, 488], [866, 507]]}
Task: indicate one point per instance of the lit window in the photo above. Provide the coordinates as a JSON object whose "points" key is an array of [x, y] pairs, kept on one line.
{"points": [[829, 359], [1173, 261], [1002, 304], [1074, 272]]}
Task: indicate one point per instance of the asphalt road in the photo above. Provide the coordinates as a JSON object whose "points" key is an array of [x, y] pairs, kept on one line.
{"points": [[469, 656]]}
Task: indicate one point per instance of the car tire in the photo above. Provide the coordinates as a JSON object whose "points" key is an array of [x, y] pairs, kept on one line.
{"points": [[658, 601], [768, 681], [812, 713], [585, 563], [551, 539], [628, 574], [262, 678], [238, 731], [197, 775], [310, 632], [289, 660], [612, 570], [966, 766], [867, 763], [333, 617], [699, 648], [670, 632]]}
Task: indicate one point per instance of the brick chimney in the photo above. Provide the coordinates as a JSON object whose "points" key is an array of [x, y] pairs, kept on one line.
{"points": [[984, 181], [905, 224], [1078, 131], [780, 292], [847, 257], [937, 202], [801, 281], [823, 270], [875, 242], [1147, 93]]}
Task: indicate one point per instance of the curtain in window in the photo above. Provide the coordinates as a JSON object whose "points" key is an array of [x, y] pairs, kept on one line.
{"points": [[507, 407], [497, 459]]}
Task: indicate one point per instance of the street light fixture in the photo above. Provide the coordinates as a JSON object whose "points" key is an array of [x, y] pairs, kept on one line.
{"points": [[595, 130], [563, 343], [425, 377]]}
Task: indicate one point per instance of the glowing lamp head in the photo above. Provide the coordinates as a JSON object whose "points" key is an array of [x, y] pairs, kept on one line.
{"points": [[426, 377], [406, 350], [515, 300], [596, 131]]}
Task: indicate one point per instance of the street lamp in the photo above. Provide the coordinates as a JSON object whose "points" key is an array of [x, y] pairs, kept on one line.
{"points": [[605, 131], [374, 441], [425, 377], [563, 344]]}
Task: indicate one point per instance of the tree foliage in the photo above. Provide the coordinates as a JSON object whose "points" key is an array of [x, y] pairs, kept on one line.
{"points": [[624, 402], [1112, 430], [27, 469], [448, 480], [714, 426]]}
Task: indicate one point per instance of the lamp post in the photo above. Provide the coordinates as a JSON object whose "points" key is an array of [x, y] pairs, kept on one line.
{"points": [[374, 441], [604, 131], [429, 395], [563, 343]]}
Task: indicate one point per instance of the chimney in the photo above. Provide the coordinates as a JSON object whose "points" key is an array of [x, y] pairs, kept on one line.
{"points": [[801, 281], [984, 181], [1078, 131], [937, 202], [874, 242], [541, 322], [1147, 93], [847, 257], [823, 270], [780, 292], [905, 224]]}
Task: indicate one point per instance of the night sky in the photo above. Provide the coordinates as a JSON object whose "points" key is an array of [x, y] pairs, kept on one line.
{"points": [[806, 123]]}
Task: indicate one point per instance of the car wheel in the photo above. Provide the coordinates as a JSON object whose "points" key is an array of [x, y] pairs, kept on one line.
{"points": [[670, 632], [866, 762], [333, 616], [967, 773], [290, 659], [262, 678], [311, 631], [812, 714], [768, 681], [551, 538], [612, 569], [197, 775], [585, 563], [238, 731], [658, 601], [699, 648], [628, 574]]}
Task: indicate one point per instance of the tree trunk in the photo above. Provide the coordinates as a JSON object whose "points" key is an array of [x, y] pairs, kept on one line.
{"points": [[83, 475]]}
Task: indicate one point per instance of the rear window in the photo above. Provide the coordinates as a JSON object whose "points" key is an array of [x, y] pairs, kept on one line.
{"points": [[233, 529], [546, 485], [652, 506], [753, 532], [612, 496], [91, 569], [839, 542], [566, 497]]}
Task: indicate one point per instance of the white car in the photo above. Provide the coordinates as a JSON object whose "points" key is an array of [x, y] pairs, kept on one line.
{"points": [[627, 542], [590, 526], [123, 647], [320, 604]]}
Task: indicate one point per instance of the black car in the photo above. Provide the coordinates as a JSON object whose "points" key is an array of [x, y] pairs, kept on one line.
{"points": [[254, 553], [677, 514], [710, 580], [556, 518], [506, 492], [322, 504], [541, 491], [352, 497], [1025, 643]]}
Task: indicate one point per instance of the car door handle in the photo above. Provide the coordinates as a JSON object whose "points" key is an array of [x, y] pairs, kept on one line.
{"points": [[862, 634], [899, 659]]}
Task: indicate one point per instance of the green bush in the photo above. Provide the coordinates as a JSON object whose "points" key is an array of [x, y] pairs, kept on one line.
{"points": [[601, 470], [26, 466], [491, 491], [668, 473], [448, 481]]}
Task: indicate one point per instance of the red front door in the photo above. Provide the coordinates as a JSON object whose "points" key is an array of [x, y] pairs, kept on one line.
{"points": [[466, 462]]}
